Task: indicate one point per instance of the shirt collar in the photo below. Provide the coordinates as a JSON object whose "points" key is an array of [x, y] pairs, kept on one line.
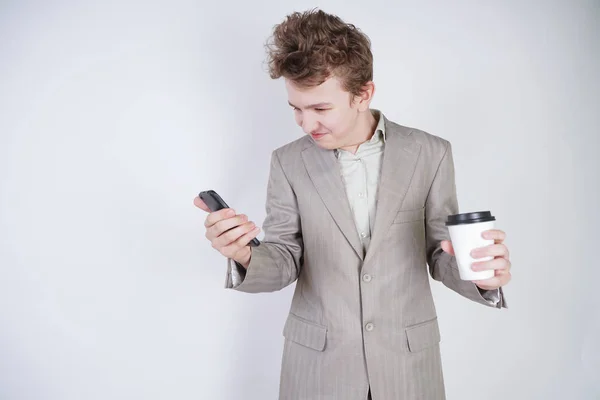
{"points": [[379, 133], [380, 128]]}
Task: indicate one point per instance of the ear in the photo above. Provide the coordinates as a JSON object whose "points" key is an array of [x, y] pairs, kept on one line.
{"points": [[363, 101]]}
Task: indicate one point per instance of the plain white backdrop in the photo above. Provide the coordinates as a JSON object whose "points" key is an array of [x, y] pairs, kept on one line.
{"points": [[114, 115]]}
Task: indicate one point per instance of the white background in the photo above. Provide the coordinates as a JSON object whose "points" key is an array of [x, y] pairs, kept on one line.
{"points": [[114, 116]]}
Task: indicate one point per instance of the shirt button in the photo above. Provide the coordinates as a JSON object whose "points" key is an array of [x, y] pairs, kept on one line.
{"points": [[369, 327], [363, 235], [367, 278], [361, 195]]}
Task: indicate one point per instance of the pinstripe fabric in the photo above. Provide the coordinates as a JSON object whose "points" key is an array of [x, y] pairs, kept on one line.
{"points": [[359, 319]]}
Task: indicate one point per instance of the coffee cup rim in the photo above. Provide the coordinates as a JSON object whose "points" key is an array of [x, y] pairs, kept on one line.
{"points": [[470, 218]]}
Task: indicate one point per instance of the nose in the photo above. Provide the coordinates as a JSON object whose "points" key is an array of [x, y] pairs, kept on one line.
{"points": [[309, 124]]}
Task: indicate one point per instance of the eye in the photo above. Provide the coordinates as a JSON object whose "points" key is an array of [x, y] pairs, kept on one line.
{"points": [[321, 109]]}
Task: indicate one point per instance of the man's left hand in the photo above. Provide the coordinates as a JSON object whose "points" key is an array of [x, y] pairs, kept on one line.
{"points": [[500, 263]]}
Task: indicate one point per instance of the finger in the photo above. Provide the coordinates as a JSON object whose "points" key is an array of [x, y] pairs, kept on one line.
{"points": [[447, 247], [234, 247], [201, 204], [505, 277], [497, 264], [493, 250], [219, 227], [232, 235], [245, 239], [489, 284], [226, 224], [501, 278], [217, 216], [496, 234]]}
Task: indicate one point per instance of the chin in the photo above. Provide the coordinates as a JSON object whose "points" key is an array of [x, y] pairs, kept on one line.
{"points": [[328, 146]]}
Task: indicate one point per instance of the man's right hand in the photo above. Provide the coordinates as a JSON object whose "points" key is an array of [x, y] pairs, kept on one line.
{"points": [[232, 243]]}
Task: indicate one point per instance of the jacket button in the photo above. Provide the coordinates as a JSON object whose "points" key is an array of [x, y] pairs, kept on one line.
{"points": [[367, 278], [369, 327]]}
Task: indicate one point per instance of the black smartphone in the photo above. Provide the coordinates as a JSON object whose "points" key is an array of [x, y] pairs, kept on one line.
{"points": [[215, 203]]}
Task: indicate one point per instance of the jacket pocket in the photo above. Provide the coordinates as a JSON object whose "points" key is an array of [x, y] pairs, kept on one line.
{"points": [[423, 335], [304, 332], [404, 216]]}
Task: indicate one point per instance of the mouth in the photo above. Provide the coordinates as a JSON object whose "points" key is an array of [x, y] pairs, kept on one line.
{"points": [[317, 135]]}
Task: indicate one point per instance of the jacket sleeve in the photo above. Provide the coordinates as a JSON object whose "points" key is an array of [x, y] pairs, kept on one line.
{"points": [[277, 261], [441, 202]]}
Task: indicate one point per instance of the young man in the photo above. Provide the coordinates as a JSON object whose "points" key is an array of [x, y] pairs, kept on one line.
{"points": [[355, 214]]}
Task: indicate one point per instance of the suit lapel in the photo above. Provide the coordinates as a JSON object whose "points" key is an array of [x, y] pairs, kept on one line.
{"points": [[324, 171], [398, 166]]}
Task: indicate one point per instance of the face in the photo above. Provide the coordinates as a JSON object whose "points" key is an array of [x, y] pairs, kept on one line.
{"points": [[330, 114]]}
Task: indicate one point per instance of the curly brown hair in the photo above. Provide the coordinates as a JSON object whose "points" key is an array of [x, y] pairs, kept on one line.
{"points": [[310, 47]]}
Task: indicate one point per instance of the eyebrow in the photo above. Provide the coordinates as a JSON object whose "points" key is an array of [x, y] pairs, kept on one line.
{"points": [[318, 105]]}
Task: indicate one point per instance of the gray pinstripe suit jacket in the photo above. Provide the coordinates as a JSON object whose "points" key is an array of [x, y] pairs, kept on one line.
{"points": [[360, 320]]}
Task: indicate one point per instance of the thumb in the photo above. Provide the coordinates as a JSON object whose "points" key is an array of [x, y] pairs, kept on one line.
{"points": [[200, 204], [447, 247]]}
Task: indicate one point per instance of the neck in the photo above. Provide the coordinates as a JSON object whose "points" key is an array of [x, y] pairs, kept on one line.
{"points": [[364, 130]]}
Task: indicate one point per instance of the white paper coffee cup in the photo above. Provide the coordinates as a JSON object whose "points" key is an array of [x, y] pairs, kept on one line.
{"points": [[465, 234]]}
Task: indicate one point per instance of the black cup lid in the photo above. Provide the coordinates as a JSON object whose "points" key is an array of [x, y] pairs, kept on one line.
{"points": [[470, 218]]}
